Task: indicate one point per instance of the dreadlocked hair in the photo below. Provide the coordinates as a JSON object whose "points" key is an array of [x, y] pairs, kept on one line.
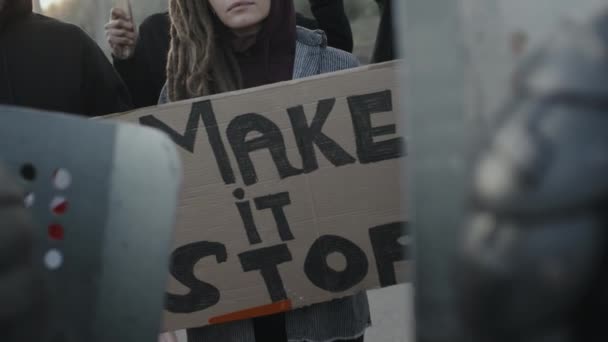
{"points": [[200, 60]]}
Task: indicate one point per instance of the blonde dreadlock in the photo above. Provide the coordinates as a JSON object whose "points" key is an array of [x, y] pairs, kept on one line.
{"points": [[200, 60]]}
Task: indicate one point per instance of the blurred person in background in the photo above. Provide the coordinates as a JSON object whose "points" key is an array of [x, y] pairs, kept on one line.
{"points": [[144, 69], [47, 64], [238, 46], [532, 264]]}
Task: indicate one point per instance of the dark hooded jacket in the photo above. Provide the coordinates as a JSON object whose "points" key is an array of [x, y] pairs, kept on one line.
{"points": [[50, 65]]}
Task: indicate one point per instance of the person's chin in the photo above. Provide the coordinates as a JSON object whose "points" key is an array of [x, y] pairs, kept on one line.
{"points": [[244, 22]]}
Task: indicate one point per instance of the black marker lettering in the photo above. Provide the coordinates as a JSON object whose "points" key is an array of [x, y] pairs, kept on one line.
{"points": [[188, 139], [271, 139], [202, 295], [326, 278], [361, 109], [215, 140], [276, 203], [388, 250], [266, 260], [239, 193], [308, 136], [185, 141], [248, 222]]}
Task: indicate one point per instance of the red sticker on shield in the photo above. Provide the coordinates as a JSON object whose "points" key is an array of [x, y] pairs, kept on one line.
{"points": [[56, 232], [59, 205]]}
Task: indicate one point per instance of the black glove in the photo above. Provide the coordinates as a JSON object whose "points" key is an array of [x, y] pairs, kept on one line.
{"points": [[535, 252], [21, 291]]}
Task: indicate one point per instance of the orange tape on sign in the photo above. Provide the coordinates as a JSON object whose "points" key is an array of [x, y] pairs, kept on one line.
{"points": [[266, 310]]}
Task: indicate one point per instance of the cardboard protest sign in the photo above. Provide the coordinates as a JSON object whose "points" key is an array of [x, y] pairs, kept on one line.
{"points": [[291, 195]]}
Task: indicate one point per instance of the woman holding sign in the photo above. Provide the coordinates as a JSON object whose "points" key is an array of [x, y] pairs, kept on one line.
{"points": [[225, 45]]}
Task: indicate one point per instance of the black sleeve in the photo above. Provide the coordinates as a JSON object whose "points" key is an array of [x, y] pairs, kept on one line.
{"points": [[127, 69], [384, 50], [332, 19], [103, 90], [144, 72], [306, 22]]}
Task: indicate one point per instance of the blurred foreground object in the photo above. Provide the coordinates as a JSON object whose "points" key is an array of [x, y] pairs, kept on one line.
{"points": [[102, 196], [533, 265], [519, 43], [168, 337], [21, 292]]}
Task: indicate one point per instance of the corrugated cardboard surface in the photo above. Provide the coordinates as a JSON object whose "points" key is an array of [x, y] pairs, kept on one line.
{"points": [[344, 201]]}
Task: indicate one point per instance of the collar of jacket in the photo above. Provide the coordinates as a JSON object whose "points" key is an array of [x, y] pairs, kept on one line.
{"points": [[309, 52], [14, 10]]}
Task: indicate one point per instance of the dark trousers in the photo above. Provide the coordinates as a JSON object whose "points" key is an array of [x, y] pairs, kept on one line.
{"points": [[272, 329]]}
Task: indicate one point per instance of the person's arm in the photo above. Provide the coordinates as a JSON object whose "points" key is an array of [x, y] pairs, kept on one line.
{"points": [[306, 22], [125, 47], [384, 50], [132, 71], [103, 90], [332, 19], [144, 71]]}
